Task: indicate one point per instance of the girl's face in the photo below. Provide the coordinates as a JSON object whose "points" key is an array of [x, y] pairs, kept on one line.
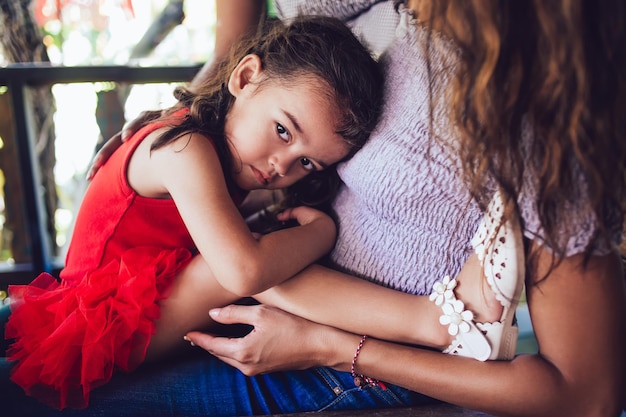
{"points": [[279, 133]]}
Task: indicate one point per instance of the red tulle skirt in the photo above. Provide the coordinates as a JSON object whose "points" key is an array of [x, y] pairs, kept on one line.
{"points": [[70, 338]]}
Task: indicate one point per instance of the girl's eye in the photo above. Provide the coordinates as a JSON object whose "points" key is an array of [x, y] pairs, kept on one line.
{"points": [[282, 132], [307, 164]]}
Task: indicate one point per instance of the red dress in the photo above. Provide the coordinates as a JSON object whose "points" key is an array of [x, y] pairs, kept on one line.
{"points": [[126, 249]]}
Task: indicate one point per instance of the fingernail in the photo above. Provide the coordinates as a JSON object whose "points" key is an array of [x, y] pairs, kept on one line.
{"points": [[214, 312], [190, 342]]}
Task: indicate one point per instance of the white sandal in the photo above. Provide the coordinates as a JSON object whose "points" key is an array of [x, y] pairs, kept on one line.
{"points": [[501, 256]]}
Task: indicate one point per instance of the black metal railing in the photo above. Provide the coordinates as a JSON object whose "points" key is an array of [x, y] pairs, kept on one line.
{"points": [[17, 78]]}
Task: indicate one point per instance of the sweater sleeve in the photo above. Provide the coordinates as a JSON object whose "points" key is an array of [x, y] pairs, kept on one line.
{"points": [[577, 222], [373, 22]]}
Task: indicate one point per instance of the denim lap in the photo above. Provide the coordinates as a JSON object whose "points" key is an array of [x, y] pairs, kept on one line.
{"points": [[202, 385], [205, 386]]}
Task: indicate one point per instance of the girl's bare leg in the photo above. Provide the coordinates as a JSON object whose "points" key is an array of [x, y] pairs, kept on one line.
{"points": [[329, 297], [194, 292]]}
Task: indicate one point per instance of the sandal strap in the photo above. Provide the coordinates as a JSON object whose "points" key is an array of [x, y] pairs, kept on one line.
{"points": [[497, 252]]}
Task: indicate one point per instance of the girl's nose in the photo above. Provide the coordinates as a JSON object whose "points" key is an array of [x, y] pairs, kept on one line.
{"points": [[280, 165]]}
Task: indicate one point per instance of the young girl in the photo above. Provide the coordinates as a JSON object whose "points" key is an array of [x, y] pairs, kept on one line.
{"points": [[164, 207]]}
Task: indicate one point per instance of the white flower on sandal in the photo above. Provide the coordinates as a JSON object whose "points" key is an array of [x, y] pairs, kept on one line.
{"points": [[443, 290], [454, 314], [456, 317]]}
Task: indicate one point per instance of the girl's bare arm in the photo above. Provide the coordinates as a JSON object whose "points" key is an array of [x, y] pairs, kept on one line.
{"points": [[189, 171]]}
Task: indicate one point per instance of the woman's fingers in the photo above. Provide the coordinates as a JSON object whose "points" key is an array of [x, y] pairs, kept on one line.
{"points": [[104, 154], [278, 341]]}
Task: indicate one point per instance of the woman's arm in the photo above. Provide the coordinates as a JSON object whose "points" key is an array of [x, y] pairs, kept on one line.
{"points": [[578, 316], [234, 19]]}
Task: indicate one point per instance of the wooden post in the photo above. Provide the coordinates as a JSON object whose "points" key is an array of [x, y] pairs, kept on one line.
{"points": [[22, 41]]}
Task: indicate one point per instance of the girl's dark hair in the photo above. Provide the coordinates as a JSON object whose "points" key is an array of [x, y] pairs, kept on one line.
{"points": [[314, 46], [559, 65]]}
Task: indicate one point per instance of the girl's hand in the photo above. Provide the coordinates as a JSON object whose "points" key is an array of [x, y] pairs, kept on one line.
{"points": [[303, 215], [279, 340], [324, 226]]}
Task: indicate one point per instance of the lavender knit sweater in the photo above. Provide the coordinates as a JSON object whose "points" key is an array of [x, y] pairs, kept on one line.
{"points": [[405, 218]]}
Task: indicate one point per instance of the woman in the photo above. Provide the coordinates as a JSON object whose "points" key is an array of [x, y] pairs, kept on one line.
{"points": [[518, 78]]}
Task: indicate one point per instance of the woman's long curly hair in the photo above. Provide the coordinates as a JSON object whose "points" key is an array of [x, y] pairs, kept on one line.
{"points": [[309, 47], [557, 67]]}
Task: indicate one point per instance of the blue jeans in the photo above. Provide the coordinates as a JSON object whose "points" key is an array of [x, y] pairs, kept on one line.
{"points": [[201, 385]]}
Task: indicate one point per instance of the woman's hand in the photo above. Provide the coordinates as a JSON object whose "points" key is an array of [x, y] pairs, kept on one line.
{"points": [[104, 154], [279, 341]]}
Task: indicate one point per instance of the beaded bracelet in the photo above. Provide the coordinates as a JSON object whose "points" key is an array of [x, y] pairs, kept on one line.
{"points": [[361, 380]]}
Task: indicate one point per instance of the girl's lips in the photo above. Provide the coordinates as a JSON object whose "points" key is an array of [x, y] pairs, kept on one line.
{"points": [[259, 176]]}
